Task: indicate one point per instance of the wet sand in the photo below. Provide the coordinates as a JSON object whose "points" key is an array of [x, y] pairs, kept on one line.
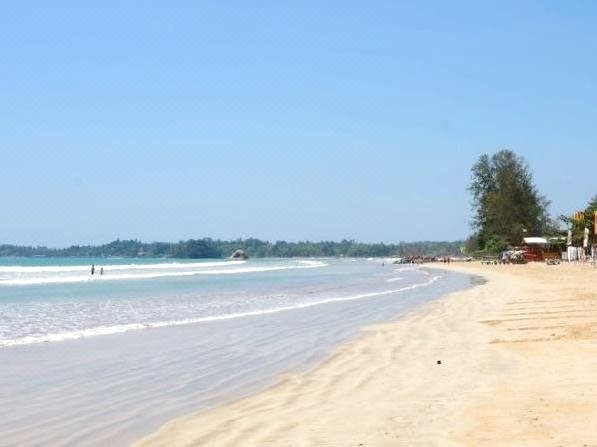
{"points": [[518, 368]]}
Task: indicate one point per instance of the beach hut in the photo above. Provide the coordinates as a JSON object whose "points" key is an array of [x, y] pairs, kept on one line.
{"points": [[540, 248]]}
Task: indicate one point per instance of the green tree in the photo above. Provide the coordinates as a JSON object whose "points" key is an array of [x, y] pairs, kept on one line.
{"points": [[196, 248], [506, 203], [585, 220]]}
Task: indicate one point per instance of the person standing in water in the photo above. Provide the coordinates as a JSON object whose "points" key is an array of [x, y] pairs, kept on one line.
{"points": [[101, 271], [92, 269]]}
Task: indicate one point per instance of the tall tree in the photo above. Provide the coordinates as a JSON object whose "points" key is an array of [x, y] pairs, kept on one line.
{"points": [[506, 203]]}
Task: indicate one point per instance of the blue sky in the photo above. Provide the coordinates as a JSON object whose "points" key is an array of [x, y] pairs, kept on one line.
{"points": [[355, 120]]}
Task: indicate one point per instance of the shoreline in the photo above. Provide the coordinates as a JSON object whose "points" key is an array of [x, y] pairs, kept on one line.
{"points": [[140, 379], [499, 382]]}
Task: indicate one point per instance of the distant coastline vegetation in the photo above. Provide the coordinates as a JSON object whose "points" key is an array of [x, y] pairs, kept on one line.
{"points": [[507, 207], [210, 248]]}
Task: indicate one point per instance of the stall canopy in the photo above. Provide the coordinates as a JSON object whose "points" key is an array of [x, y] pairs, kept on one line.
{"points": [[535, 240]]}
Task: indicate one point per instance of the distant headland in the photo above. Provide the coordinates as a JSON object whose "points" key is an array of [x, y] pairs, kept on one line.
{"points": [[256, 248]]}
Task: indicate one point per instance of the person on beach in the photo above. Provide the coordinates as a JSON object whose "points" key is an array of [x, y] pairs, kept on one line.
{"points": [[92, 269]]}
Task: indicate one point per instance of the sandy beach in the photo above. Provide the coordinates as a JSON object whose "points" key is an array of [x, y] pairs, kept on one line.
{"points": [[518, 368]]}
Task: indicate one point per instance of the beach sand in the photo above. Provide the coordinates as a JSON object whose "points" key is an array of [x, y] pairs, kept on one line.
{"points": [[518, 368]]}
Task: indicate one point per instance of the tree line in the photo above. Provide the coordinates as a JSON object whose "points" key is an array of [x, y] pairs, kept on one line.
{"points": [[211, 248]]}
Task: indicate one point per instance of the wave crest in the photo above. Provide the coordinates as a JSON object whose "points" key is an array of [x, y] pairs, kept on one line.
{"points": [[207, 268]]}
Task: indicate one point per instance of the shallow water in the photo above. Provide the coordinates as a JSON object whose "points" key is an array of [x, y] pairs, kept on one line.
{"points": [[122, 356]]}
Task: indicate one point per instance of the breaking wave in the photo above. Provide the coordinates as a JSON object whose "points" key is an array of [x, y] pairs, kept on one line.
{"points": [[67, 274]]}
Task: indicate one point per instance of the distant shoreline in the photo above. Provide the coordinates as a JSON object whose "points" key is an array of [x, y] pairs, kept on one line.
{"points": [[207, 248]]}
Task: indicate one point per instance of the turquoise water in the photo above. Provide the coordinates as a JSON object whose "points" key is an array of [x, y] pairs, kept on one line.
{"points": [[92, 360], [47, 300]]}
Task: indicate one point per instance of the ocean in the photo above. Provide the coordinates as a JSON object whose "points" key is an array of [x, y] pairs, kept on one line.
{"points": [[105, 359]]}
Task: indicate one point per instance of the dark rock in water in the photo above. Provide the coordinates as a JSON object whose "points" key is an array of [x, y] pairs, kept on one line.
{"points": [[439, 362], [239, 254]]}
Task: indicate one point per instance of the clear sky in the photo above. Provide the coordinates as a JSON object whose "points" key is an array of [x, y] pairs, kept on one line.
{"points": [[312, 120]]}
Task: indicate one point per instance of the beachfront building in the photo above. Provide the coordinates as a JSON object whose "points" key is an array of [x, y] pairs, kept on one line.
{"points": [[541, 249]]}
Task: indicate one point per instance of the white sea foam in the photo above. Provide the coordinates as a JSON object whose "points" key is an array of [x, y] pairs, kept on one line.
{"points": [[398, 278], [85, 268], [116, 329], [229, 269]]}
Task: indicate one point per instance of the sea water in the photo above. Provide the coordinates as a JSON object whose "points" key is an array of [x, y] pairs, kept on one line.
{"points": [[107, 358]]}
